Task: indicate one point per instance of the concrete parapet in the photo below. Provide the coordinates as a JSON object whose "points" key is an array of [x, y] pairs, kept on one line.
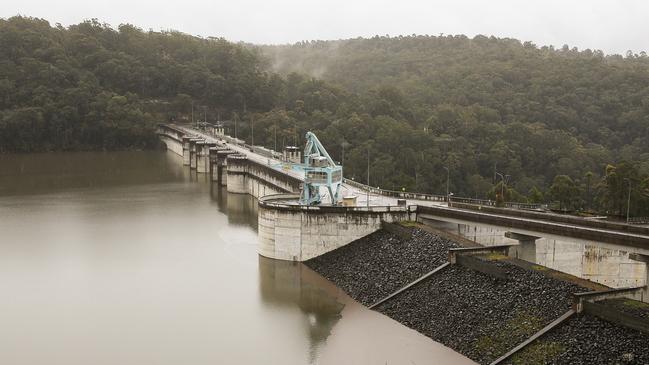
{"points": [[453, 253], [558, 218], [630, 293], [539, 225], [397, 230], [485, 267], [613, 315]]}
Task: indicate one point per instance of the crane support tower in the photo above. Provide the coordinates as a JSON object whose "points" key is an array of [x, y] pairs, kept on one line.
{"points": [[319, 170]]}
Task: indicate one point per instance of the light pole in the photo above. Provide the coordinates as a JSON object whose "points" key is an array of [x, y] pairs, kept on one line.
{"points": [[368, 177], [628, 202], [448, 178], [502, 186]]}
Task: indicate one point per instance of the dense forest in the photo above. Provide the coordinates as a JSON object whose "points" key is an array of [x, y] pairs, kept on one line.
{"points": [[559, 125]]}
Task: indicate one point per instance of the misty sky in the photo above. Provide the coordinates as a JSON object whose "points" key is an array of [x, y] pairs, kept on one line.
{"points": [[613, 26]]}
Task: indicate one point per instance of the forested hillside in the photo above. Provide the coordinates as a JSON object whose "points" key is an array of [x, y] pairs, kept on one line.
{"points": [[485, 105], [93, 87], [564, 125]]}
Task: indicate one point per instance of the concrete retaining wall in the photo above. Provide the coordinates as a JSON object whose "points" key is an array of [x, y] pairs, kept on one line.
{"points": [[615, 316], [299, 233]]}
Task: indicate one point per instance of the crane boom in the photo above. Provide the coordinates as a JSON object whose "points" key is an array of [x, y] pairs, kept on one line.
{"points": [[319, 170]]}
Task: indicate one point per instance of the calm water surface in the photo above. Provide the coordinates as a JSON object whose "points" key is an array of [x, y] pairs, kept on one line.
{"points": [[128, 258]]}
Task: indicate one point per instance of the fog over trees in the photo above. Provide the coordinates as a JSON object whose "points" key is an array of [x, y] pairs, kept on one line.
{"points": [[565, 125]]}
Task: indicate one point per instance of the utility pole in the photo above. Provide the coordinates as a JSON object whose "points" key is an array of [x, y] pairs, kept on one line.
{"points": [[295, 135], [252, 126], [368, 177], [628, 203], [448, 178], [192, 112], [275, 136], [502, 186]]}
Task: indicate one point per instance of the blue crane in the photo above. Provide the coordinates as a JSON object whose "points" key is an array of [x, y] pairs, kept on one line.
{"points": [[319, 170]]}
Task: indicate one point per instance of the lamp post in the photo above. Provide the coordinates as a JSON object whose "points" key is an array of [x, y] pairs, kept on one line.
{"points": [[502, 186], [628, 202], [448, 178], [368, 177]]}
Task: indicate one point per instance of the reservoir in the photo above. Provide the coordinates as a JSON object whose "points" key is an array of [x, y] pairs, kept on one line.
{"points": [[130, 258]]}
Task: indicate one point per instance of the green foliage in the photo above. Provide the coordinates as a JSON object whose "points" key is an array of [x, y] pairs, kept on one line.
{"points": [[90, 86], [539, 353], [521, 326], [565, 191]]}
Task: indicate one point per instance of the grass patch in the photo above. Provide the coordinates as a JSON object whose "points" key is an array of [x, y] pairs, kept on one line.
{"points": [[635, 304], [496, 257], [538, 353], [539, 268], [514, 331]]}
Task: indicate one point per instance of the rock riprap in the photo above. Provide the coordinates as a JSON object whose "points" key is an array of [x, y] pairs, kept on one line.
{"points": [[375, 266]]}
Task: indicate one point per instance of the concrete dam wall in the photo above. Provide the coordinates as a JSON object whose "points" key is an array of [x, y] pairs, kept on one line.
{"points": [[299, 233]]}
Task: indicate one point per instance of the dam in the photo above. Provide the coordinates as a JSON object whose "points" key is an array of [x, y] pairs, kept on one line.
{"points": [[612, 254]]}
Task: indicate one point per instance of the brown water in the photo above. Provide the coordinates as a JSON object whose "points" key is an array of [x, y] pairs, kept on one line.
{"points": [[128, 258]]}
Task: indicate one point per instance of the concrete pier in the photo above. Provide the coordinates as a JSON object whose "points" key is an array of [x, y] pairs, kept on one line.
{"points": [[236, 174], [192, 152], [222, 163], [185, 142], [213, 163], [200, 157], [526, 249]]}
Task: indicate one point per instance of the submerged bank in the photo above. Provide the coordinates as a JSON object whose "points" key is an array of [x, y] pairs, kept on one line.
{"points": [[472, 312]]}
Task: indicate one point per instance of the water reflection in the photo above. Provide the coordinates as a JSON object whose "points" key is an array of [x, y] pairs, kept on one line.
{"points": [[48, 172], [291, 284], [241, 209]]}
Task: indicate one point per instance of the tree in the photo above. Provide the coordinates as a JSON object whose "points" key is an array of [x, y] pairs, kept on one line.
{"points": [[564, 190]]}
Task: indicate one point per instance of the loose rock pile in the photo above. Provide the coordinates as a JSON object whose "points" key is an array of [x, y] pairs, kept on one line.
{"points": [[480, 316], [473, 313], [588, 340], [375, 266]]}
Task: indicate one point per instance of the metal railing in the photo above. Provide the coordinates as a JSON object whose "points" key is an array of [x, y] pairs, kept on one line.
{"points": [[395, 193]]}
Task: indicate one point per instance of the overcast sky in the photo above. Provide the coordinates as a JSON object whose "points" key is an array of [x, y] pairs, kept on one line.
{"points": [[613, 26]]}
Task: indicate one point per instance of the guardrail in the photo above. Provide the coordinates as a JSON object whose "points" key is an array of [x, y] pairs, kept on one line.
{"points": [[492, 203], [639, 220], [283, 201], [394, 193]]}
